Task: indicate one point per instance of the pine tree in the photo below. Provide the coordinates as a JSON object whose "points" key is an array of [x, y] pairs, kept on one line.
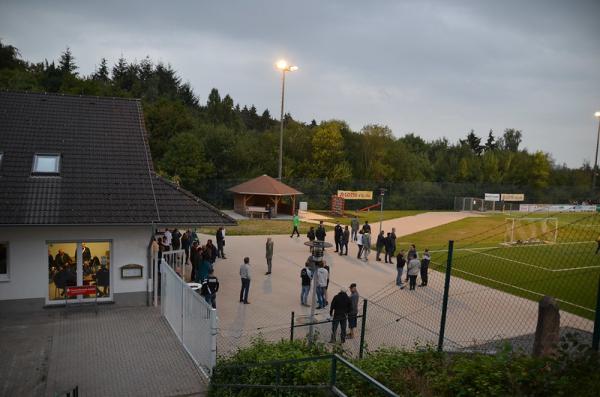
{"points": [[66, 64], [101, 73]]}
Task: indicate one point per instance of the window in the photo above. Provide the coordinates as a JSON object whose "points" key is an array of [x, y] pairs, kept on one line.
{"points": [[4, 261], [46, 164]]}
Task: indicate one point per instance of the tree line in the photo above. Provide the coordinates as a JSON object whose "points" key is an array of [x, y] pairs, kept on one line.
{"points": [[193, 142]]}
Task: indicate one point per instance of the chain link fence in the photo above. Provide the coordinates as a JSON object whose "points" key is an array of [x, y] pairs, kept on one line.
{"points": [[488, 288]]}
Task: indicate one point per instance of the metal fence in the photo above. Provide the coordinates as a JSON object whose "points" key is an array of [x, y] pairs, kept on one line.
{"points": [[192, 319], [482, 295]]}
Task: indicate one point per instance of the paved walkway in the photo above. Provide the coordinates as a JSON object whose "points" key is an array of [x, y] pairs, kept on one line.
{"points": [[118, 352], [476, 314]]}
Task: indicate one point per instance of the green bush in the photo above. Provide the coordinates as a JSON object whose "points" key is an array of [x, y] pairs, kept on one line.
{"points": [[575, 371]]}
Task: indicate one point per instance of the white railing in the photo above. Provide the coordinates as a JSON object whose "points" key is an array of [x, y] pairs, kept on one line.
{"points": [[192, 319]]}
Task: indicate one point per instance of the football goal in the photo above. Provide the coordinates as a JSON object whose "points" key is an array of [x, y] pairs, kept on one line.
{"points": [[531, 231]]}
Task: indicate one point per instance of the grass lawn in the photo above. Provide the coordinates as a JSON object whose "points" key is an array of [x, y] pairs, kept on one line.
{"points": [[254, 227], [371, 216], [568, 270]]}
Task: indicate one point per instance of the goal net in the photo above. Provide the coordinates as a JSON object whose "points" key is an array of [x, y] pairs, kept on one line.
{"points": [[531, 231]]}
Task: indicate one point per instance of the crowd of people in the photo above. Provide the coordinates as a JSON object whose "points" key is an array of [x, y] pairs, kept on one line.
{"points": [[343, 309]]}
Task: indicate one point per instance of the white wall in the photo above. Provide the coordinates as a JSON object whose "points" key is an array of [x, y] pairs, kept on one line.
{"points": [[28, 255]]}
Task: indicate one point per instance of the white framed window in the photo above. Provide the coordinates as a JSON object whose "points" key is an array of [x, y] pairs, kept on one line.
{"points": [[4, 261], [48, 163]]}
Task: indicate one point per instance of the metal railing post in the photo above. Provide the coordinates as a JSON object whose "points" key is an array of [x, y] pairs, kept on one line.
{"points": [[445, 301], [596, 335], [362, 330], [333, 375], [292, 328]]}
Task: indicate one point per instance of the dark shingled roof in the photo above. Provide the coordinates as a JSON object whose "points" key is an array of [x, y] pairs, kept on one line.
{"points": [[106, 172]]}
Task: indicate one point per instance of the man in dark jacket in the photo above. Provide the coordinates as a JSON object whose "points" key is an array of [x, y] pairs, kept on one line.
{"points": [[209, 289], [379, 245], [176, 239], [220, 243], [345, 240], [337, 236], [389, 250], [320, 233], [341, 305]]}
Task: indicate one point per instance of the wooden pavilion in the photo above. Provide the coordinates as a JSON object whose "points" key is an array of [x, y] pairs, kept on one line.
{"points": [[254, 197]]}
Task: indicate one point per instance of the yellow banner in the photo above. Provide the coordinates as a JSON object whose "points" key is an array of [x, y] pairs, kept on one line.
{"points": [[355, 194], [513, 197]]}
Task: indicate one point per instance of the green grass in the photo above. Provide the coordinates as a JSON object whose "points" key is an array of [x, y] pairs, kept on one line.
{"points": [[568, 270], [371, 216]]}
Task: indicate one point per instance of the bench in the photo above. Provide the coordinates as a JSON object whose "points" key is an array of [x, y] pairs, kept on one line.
{"points": [[252, 210]]}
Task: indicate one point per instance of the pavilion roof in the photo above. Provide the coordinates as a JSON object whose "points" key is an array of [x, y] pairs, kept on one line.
{"points": [[266, 186]]}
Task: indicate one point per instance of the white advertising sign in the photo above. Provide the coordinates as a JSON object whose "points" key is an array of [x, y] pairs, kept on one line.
{"points": [[492, 197], [513, 197]]}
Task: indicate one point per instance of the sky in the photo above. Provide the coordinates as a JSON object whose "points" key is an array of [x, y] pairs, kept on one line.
{"points": [[433, 68]]}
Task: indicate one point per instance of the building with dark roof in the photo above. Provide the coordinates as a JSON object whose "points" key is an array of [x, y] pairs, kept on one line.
{"points": [[256, 195], [76, 172]]}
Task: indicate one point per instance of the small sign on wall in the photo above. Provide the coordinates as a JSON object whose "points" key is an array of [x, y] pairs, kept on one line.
{"points": [[132, 271]]}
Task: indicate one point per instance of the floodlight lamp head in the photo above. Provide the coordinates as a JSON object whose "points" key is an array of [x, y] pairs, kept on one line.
{"points": [[597, 115], [282, 64], [293, 68]]}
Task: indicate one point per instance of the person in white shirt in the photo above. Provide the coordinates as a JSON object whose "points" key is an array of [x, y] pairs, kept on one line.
{"points": [[168, 237], [413, 269]]}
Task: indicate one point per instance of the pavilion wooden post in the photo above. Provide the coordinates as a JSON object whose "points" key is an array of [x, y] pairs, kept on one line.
{"points": [[293, 205]]}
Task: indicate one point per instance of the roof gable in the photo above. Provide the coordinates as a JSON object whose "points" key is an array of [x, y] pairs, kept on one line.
{"points": [[265, 185], [106, 174]]}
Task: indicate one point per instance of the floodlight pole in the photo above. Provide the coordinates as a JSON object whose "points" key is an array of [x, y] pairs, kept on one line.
{"points": [[281, 124], [595, 171], [381, 193]]}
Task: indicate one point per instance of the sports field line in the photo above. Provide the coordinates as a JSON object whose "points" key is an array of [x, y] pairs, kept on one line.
{"points": [[515, 246], [537, 267], [519, 288]]}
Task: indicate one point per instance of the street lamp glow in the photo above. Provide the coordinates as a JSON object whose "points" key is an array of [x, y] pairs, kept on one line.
{"points": [[282, 64], [294, 68], [597, 115]]}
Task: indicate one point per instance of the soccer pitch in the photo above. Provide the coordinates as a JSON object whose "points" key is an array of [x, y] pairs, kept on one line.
{"points": [[567, 270]]}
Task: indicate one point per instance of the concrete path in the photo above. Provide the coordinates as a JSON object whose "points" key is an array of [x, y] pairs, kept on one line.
{"points": [[118, 352], [476, 314]]}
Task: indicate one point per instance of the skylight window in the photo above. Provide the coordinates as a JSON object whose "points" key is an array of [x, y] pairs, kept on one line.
{"points": [[46, 164]]}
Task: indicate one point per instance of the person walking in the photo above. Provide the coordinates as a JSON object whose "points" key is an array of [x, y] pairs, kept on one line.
{"points": [[413, 269], [388, 248], [306, 277], [296, 224], [337, 236], [220, 243], [354, 224], [341, 305], [245, 276], [311, 236], [352, 316], [359, 242], [322, 275], [400, 262], [366, 246], [209, 289], [269, 255], [320, 233], [345, 240], [379, 244], [425, 268]]}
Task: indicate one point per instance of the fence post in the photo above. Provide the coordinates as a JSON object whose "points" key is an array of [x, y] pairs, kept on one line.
{"points": [[333, 375], [445, 301], [362, 329], [596, 336], [292, 328]]}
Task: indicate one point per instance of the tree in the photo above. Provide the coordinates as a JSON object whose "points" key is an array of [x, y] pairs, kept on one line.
{"points": [[101, 73], [490, 144], [10, 58], [473, 142], [66, 64], [185, 160], [511, 139], [328, 152]]}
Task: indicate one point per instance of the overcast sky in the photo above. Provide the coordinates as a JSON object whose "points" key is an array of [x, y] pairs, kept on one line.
{"points": [[435, 68]]}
